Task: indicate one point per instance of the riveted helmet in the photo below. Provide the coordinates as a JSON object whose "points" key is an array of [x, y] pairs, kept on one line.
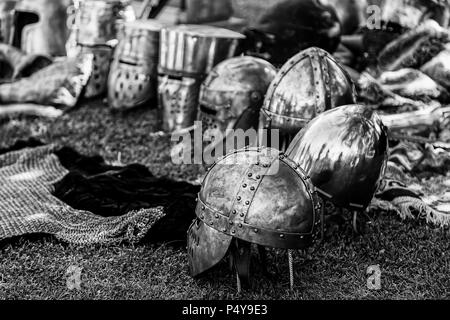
{"points": [[344, 151], [255, 195], [233, 86], [308, 84]]}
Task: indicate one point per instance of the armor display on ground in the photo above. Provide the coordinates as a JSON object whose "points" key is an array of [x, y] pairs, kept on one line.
{"points": [[36, 26], [96, 24], [252, 195], [233, 87], [133, 78], [308, 84], [344, 151], [187, 54]]}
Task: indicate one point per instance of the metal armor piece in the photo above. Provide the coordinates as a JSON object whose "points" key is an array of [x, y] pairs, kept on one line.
{"points": [[178, 101], [256, 195], [344, 151], [102, 56], [99, 21], [134, 73], [39, 26], [233, 86], [6, 20], [193, 50], [308, 84]]}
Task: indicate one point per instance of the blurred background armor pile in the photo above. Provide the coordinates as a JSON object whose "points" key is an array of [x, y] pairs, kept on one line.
{"points": [[187, 54]]}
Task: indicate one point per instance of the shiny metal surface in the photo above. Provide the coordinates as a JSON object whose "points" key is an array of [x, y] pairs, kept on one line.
{"points": [[344, 151], [133, 77], [308, 84], [257, 195], [39, 26], [102, 57], [193, 50], [178, 101], [233, 86], [206, 247], [98, 21], [6, 20]]}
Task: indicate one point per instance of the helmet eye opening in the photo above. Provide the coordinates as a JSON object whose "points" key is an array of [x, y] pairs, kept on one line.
{"points": [[22, 19]]}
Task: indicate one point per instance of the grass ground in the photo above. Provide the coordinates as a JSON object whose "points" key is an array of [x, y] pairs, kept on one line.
{"points": [[414, 259]]}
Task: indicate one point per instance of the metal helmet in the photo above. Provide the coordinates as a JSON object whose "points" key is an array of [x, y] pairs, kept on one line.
{"points": [[233, 86], [40, 27], [96, 22], [6, 20], [133, 76], [193, 50], [178, 101], [344, 151], [254, 195], [102, 56], [308, 84], [187, 54]]}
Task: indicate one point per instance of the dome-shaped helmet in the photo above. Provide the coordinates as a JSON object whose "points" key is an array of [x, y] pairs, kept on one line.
{"points": [[232, 87], [344, 151], [256, 195], [308, 84]]}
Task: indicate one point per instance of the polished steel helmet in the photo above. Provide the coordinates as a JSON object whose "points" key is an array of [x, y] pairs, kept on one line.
{"points": [[133, 77], [187, 54], [254, 195], [102, 57], [233, 86], [344, 151], [308, 84], [6, 19], [39, 26], [194, 50]]}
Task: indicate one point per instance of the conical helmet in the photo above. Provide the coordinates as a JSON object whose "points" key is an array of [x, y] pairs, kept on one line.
{"points": [[256, 195], [308, 84], [344, 151]]}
